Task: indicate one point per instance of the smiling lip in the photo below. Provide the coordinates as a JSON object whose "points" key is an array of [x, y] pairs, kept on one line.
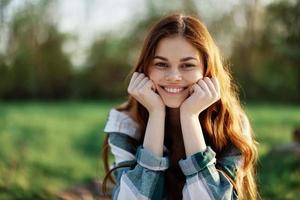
{"points": [[173, 89]]}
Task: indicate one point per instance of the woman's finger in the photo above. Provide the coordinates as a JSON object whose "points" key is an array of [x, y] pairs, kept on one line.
{"points": [[191, 89], [204, 87], [137, 81], [216, 84], [198, 89], [142, 83], [150, 84], [210, 86], [134, 75]]}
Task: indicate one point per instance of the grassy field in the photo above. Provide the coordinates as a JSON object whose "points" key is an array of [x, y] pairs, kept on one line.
{"points": [[47, 147]]}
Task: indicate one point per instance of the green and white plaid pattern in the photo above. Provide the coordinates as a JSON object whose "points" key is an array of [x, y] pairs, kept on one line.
{"points": [[143, 178]]}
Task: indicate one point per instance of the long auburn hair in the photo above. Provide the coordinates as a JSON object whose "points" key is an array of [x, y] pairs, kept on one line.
{"points": [[224, 122]]}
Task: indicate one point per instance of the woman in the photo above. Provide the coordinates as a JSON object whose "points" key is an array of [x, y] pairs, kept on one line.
{"points": [[182, 134]]}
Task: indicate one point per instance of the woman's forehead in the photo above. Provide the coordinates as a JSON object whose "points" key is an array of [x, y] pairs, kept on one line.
{"points": [[178, 47]]}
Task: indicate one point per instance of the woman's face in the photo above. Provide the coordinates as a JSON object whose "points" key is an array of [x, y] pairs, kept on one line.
{"points": [[177, 64]]}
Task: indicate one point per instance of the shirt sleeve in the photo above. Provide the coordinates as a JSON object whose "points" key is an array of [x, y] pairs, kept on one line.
{"points": [[143, 178], [141, 173], [203, 177]]}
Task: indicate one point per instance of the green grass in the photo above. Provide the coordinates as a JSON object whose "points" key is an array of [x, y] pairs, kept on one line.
{"points": [[279, 173], [47, 147]]}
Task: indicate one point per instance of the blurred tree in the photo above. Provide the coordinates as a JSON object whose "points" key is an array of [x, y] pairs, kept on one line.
{"points": [[4, 82], [35, 64], [266, 54], [4, 79], [282, 38], [106, 68], [3, 5]]}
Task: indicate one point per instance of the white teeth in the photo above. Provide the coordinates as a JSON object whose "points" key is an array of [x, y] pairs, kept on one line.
{"points": [[173, 90]]}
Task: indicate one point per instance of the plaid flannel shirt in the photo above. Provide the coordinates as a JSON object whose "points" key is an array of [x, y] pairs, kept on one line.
{"points": [[143, 178]]}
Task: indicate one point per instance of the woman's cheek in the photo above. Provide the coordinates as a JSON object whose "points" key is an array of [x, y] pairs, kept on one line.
{"points": [[156, 88]]}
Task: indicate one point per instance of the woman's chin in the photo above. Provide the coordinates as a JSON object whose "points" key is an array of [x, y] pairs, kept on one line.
{"points": [[173, 104]]}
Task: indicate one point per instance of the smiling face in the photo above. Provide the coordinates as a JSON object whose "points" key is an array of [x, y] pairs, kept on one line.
{"points": [[177, 65]]}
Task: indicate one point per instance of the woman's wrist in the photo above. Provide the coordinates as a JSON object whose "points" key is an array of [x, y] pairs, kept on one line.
{"points": [[188, 118], [192, 134], [188, 115], [154, 135], [160, 112]]}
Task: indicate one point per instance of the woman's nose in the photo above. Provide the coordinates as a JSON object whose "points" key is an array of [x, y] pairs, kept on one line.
{"points": [[173, 75]]}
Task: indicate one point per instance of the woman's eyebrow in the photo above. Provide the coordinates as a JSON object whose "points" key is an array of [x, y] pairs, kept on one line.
{"points": [[188, 58], [182, 59], [160, 57]]}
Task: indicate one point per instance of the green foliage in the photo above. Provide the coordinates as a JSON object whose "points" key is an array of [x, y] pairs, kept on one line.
{"points": [[34, 64], [107, 68], [266, 59]]}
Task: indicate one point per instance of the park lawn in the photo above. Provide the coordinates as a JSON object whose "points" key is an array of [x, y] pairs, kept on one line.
{"points": [[278, 173], [46, 147]]}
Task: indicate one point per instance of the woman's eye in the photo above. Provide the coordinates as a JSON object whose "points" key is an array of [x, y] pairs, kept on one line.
{"points": [[160, 64], [188, 65]]}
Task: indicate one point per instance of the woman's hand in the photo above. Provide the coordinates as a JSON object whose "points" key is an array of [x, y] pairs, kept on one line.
{"points": [[143, 90], [203, 94]]}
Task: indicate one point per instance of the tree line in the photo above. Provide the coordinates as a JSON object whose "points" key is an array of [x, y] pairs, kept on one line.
{"points": [[264, 56]]}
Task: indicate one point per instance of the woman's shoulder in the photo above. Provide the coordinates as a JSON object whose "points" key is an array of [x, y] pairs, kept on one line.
{"points": [[122, 122]]}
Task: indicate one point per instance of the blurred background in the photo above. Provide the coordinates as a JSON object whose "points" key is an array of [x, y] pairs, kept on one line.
{"points": [[63, 66]]}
